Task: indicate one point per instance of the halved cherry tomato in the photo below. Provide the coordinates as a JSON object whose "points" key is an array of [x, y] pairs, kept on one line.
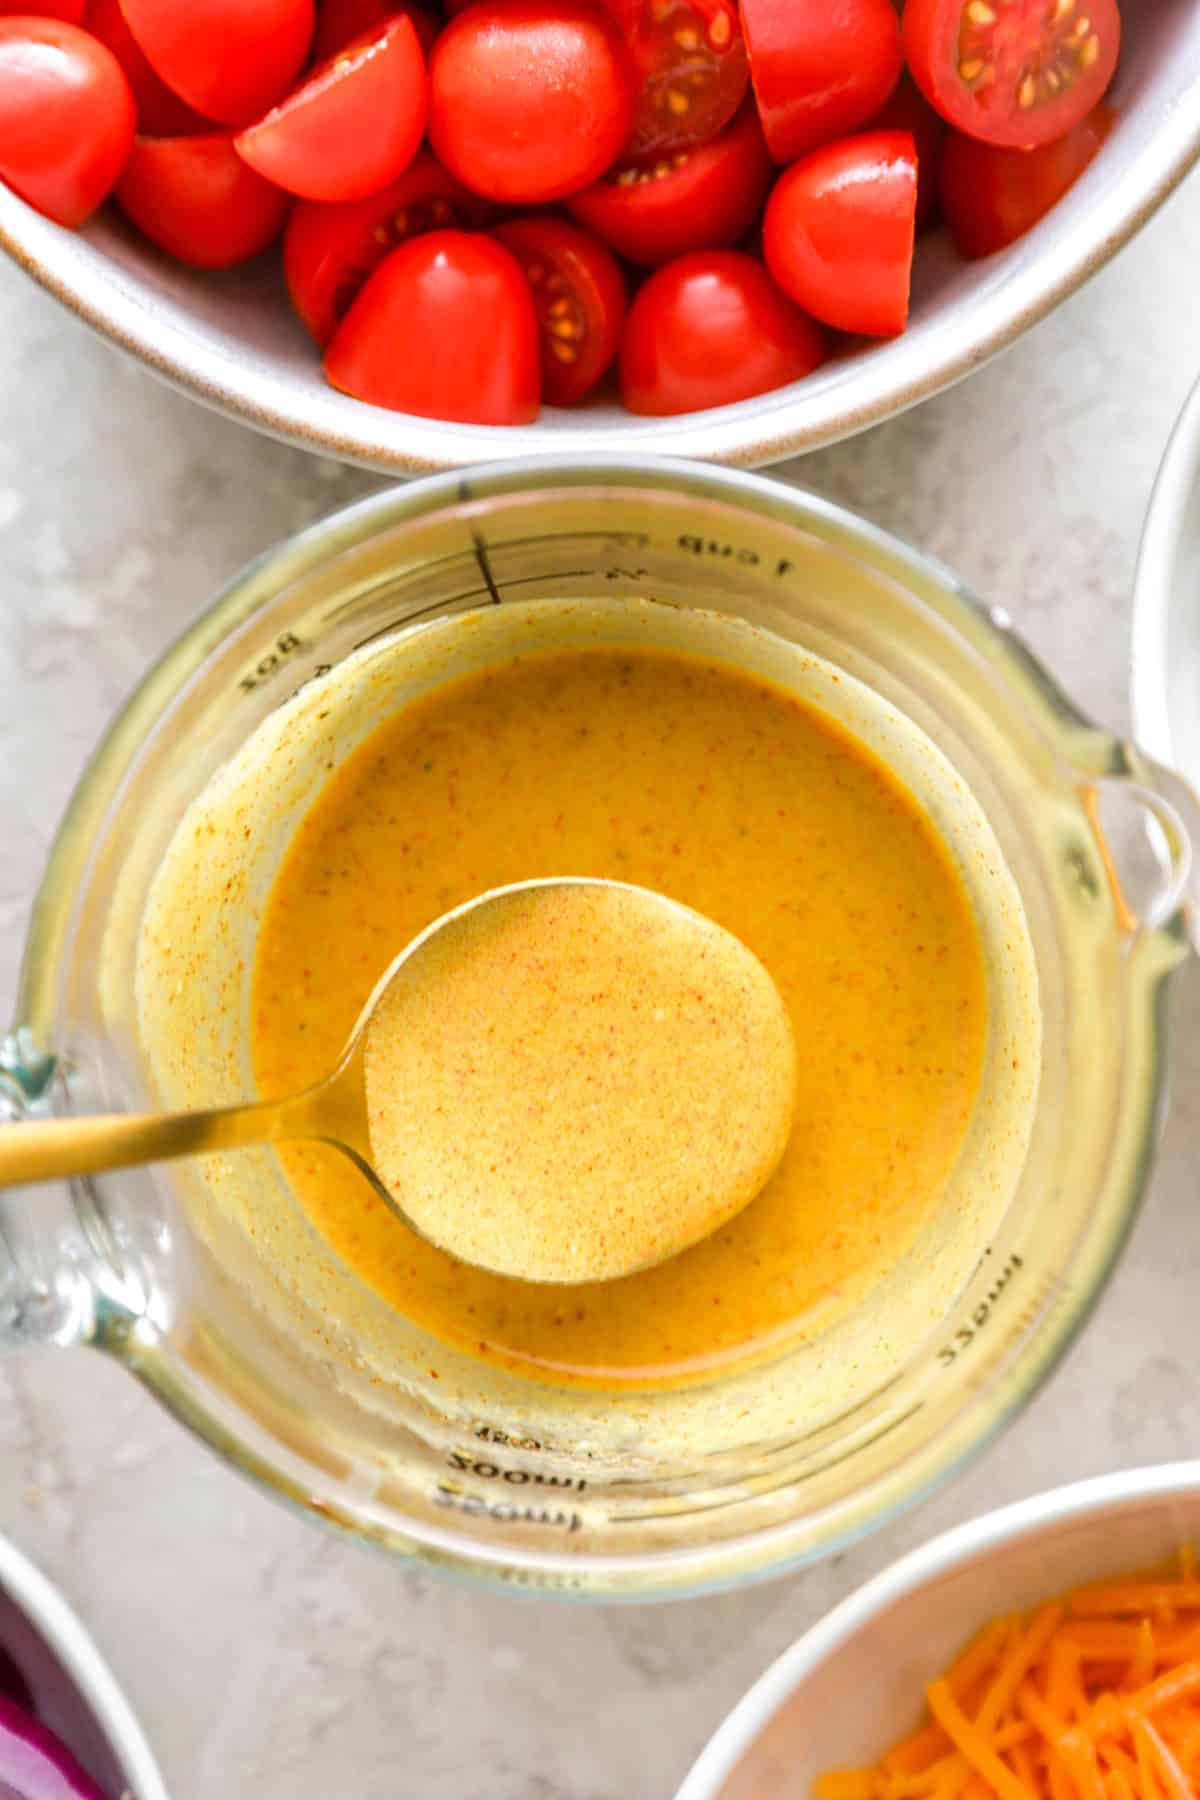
{"points": [[66, 117], [710, 329], [529, 99], [444, 328], [339, 22], [692, 70], [328, 251], [991, 195], [838, 232], [160, 113], [580, 299], [700, 199], [908, 110], [819, 70], [1019, 73], [70, 10], [197, 199], [230, 59], [352, 127]]}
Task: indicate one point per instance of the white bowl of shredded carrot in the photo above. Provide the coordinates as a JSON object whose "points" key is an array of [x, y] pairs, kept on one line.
{"points": [[1049, 1651]]}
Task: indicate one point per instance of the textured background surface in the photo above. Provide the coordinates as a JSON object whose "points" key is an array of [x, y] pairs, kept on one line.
{"points": [[267, 1661]]}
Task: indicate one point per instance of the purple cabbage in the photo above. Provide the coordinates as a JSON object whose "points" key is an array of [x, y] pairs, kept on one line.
{"points": [[35, 1765]]}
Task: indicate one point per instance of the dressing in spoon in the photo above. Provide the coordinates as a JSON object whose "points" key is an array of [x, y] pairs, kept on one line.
{"points": [[565, 1080]]}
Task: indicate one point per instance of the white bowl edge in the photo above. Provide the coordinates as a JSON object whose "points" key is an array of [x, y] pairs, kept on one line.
{"points": [[36, 1596], [960, 1546]]}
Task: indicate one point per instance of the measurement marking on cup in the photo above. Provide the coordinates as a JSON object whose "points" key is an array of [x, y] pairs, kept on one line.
{"points": [[268, 665], [965, 1336], [490, 1471], [743, 553], [503, 1511]]}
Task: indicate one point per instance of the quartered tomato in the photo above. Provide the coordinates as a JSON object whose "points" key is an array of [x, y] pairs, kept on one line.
{"points": [[710, 329], [838, 232], [530, 99], [819, 70], [230, 59], [580, 299], [197, 199], [991, 195], [908, 110], [692, 70], [70, 10], [339, 22], [160, 113], [416, 340], [352, 127], [706, 198], [1016, 72], [328, 251], [66, 117]]}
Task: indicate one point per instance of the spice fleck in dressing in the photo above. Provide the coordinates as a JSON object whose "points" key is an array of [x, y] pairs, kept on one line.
{"points": [[691, 779]]}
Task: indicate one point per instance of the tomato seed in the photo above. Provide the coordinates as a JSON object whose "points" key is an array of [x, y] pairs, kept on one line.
{"points": [[980, 13]]}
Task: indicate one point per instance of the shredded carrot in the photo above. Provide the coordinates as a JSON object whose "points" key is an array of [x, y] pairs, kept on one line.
{"points": [[975, 1746], [1114, 1598], [1144, 1661], [1093, 1697], [1165, 1765]]}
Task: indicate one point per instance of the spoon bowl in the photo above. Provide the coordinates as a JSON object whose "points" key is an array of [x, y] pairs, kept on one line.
{"points": [[504, 1089]]}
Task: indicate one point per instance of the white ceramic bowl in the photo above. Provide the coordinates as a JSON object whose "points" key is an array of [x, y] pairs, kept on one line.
{"points": [[234, 343], [853, 1684], [70, 1684], [1166, 613]]}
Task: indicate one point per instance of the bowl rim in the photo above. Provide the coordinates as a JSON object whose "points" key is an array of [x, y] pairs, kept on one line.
{"points": [[1152, 692], [749, 433], [36, 1596], [961, 1544]]}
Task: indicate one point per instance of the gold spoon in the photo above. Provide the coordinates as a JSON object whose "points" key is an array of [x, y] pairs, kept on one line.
{"points": [[562, 1080]]}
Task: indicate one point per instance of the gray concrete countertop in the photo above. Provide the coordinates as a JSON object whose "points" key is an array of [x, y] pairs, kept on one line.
{"points": [[267, 1660]]}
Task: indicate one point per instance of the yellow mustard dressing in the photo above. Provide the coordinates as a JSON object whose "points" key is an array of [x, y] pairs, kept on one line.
{"points": [[736, 798]]}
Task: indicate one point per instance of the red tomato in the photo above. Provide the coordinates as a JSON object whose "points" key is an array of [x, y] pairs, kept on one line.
{"points": [[196, 198], [66, 117], [529, 99], [230, 59], [70, 10], [579, 294], [1021, 73], [699, 199], [444, 328], [838, 232], [710, 329], [328, 251], [352, 127], [908, 110], [690, 58], [991, 196], [339, 22], [819, 70], [160, 113]]}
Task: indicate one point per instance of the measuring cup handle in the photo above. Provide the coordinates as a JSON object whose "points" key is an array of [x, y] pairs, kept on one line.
{"points": [[1172, 810]]}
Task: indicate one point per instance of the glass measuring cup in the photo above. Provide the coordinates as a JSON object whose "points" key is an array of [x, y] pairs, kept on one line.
{"points": [[240, 1347]]}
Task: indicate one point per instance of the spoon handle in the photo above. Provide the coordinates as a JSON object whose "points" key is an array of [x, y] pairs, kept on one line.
{"points": [[46, 1150]]}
